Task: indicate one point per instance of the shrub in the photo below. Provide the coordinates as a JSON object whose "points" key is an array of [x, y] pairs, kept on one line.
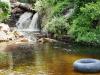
{"points": [[5, 11], [58, 26], [82, 27]]}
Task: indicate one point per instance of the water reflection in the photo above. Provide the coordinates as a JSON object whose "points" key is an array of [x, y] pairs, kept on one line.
{"points": [[49, 59]]}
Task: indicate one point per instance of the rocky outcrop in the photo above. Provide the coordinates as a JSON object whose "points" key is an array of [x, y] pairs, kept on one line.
{"points": [[4, 29], [7, 35]]}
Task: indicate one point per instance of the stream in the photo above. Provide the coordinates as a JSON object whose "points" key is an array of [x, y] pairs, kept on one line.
{"points": [[47, 59]]}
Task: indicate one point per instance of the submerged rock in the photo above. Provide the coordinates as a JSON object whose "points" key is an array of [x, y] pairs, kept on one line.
{"points": [[44, 40]]}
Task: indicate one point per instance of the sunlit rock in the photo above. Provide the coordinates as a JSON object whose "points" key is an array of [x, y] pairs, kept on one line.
{"points": [[4, 27], [11, 36], [22, 39], [43, 40], [17, 34], [3, 36]]}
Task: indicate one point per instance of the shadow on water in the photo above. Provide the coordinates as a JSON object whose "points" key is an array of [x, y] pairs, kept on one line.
{"points": [[50, 59]]}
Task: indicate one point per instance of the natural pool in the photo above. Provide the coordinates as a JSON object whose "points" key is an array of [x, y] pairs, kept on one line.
{"points": [[46, 59]]}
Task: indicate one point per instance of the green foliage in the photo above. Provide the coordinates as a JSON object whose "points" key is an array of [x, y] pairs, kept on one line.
{"points": [[40, 5], [80, 3], [5, 11], [59, 26], [82, 29], [52, 8], [57, 6]]}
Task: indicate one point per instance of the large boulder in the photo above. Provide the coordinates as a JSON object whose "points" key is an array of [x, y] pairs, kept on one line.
{"points": [[4, 32]]}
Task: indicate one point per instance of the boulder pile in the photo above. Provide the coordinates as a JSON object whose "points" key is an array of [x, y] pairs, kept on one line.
{"points": [[6, 34]]}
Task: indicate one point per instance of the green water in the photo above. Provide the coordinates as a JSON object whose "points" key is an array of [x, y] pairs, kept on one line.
{"points": [[48, 59]]}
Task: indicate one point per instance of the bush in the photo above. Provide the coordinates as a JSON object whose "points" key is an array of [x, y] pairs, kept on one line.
{"points": [[5, 11], [58, 26], [82, 28], [39, 5], [57, 6]]}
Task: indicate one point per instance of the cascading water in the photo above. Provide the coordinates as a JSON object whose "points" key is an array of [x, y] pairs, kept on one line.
{"points": [[24, 21], [28, 25], [34, 23]]}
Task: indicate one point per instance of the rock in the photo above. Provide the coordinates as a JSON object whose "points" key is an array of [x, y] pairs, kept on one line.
{"points": [[43, 40], [23, 6], [11, 36], [3, 36], [13, 1], [4, 27], [4, 32], [18, 34], [22, 39]]}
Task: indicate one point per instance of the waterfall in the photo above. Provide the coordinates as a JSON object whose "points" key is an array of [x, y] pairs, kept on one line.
{"points": [[34, 23], [24, 21], [28, 25]]}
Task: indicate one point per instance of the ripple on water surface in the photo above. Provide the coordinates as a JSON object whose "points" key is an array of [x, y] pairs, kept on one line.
{"points": [[48, 59]]}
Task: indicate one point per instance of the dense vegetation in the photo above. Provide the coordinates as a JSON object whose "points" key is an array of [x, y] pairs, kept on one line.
{"points": [[85, 27], [4, 11], [82, 25]]}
